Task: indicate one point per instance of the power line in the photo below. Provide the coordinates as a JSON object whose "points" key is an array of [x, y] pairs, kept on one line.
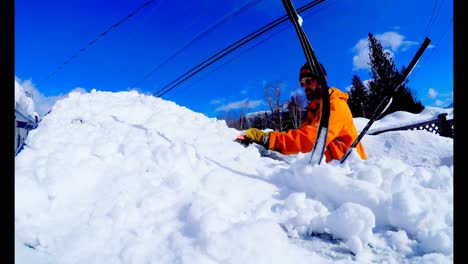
{"points": [[230, 49], [325, 6], [430, 23], [229, 61], [433, 18], [97, 38], [200, 36], [436, 45]]}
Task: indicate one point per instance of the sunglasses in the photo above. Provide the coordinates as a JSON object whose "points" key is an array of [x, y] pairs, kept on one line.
{"points": [[307, 81]]}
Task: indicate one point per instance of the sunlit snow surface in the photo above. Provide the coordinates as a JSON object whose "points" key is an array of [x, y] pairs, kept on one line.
{"points": [[129, 178]]}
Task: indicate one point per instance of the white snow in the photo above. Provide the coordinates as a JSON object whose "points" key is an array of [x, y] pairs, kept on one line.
{"points": [[128, 178]]}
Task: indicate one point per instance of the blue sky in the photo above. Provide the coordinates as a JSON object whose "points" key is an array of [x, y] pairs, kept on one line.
{"points": [[165, 39]]}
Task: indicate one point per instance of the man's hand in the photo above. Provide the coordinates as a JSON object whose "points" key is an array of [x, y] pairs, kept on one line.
{"points": [[258, 136]]}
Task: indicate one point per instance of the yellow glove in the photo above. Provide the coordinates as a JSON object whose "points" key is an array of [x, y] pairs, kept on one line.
{"points": [[258, 136]]}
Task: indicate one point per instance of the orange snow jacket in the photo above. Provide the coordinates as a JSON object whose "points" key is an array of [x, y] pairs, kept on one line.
{"points": [[341, 131]]}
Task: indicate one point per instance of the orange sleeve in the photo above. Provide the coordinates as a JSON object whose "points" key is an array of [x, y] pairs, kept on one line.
{"points": [[294, 140]]}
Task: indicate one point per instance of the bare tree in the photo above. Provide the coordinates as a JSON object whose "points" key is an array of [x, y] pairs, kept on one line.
{"points": [[243, 122], [295, 109], [273, 100]]}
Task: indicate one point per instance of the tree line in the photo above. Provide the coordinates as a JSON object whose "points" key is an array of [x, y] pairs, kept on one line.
{"points": [[363, 99]]}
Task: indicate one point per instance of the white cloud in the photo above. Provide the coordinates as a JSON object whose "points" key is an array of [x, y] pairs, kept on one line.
{"points": [[243, 104], [361, 59], [439, 103], [296, 92], [390, 39], [391, 42], [43, 104], [216, 101], [432, 93]]}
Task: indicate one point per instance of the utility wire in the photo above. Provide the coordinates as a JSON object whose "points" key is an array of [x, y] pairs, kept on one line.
{"points": [[230, 49], [200, 36], [433, 18], [229, 61], [97, 38], [325, 6], [432, 50]]}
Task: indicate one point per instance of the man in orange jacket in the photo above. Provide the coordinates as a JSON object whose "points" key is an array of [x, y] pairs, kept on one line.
{"points": [[341, 129]]}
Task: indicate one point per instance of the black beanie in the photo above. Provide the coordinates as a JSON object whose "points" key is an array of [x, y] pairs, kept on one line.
{"points": [[306, 71]]}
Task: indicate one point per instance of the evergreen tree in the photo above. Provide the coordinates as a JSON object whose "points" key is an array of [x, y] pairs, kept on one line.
{"points": [[385, 78], [358, 99], [383, 71]]}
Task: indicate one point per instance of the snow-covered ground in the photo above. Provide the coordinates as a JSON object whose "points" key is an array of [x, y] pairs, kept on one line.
{"points": [[128, 178]]}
